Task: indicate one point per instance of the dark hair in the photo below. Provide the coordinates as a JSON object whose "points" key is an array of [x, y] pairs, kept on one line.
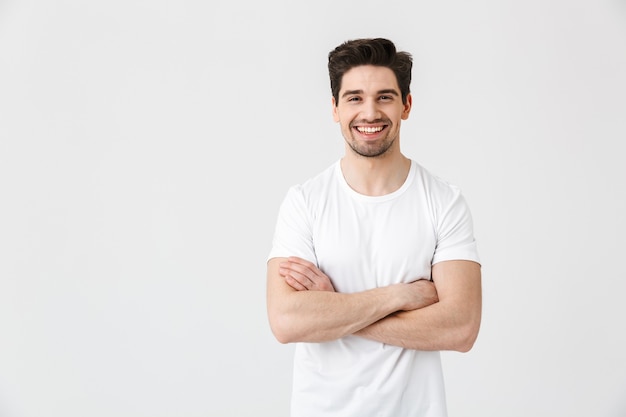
{"points": [[377, 51]]}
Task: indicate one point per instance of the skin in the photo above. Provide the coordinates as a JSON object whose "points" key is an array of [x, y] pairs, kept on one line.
{"points": [[370, 99], [303, 306], [324, 315]]}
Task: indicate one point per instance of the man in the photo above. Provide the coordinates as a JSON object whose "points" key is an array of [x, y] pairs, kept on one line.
{"points": [[374, 267]]}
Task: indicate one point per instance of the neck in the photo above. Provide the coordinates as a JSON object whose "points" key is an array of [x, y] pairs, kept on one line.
{"points": [[375, 176]]}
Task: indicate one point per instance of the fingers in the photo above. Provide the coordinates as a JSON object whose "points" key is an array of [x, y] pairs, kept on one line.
{"points": [[297, 276], [304, 275], [293, 283], [302, 267], [302, 262]]}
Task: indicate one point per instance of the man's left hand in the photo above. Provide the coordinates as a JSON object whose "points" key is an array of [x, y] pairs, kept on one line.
{"points": [[303, 275]]}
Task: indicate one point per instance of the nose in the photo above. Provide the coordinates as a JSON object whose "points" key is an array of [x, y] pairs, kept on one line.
{"points": [[370, 111]]}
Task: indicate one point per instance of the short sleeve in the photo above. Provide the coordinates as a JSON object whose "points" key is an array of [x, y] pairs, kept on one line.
{"points": [[455, 231], [292, 234]]}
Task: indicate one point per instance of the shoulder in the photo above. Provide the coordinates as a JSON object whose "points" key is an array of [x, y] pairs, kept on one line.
{"points": [[433, 185], [306, 198], [317, 186]]}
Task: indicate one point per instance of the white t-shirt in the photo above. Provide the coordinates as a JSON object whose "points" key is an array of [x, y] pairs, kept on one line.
{"points": [[363, 242]]}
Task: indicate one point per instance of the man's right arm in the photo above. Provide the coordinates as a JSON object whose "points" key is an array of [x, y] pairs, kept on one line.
{"points": [[319, 316]]}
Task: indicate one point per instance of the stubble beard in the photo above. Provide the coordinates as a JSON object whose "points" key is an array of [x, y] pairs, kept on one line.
{"points": [[370, 150]]}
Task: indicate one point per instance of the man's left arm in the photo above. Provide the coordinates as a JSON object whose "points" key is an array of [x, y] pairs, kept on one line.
{"points": [[450, 324]]}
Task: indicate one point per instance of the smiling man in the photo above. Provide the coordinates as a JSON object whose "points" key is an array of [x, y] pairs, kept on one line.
{"points": [[374, 267]]}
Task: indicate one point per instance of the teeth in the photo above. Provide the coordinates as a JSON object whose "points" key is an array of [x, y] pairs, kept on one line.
{"points": [[363, 129]]}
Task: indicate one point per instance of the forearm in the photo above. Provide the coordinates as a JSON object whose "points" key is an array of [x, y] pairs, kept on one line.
{"points": [[318, 316], [435, 327], [450, 324], [304, 307]]}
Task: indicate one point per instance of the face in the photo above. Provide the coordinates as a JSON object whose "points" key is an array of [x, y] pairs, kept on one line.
{"points": [[370, 109]]}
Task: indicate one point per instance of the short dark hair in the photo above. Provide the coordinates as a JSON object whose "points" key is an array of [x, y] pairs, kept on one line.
{"points": [[375, 51]]}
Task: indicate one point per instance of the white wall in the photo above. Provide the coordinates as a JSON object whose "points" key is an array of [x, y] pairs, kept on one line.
{"points": [[145, 147]]}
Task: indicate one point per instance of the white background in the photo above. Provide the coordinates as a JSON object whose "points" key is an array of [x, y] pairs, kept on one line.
{"points": [[145, 147]]}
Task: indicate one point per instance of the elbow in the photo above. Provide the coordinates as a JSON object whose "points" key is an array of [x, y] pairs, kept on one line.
{"points": [[467, 336], [465, 345], [282, 337], [281, 329]]}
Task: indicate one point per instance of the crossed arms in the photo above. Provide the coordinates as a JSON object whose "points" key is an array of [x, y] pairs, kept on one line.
{"points": [[440, 315]]}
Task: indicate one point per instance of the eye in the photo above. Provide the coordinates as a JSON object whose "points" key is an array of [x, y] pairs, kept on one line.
{"points": [[354, 99], [386, 98]]}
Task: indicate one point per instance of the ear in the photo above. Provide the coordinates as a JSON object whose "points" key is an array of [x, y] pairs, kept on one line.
{"points": [[407, 107], [335, 113]]}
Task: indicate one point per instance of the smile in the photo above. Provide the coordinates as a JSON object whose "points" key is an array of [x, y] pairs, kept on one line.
{"points": [[369, 130]]}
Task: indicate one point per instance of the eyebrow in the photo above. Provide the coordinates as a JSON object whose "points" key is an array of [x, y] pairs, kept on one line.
{"points": [[386, 91]]}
